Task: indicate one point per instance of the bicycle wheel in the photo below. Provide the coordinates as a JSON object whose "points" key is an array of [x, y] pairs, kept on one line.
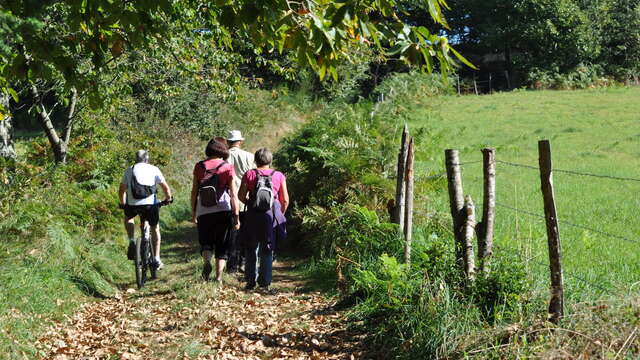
{"points": [[140, 276]]}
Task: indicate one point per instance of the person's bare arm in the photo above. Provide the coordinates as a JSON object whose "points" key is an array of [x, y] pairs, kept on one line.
{"points": [[167, 191], [235, 206], [194, 199], [242, 193], [122, 194], [284, 196]]}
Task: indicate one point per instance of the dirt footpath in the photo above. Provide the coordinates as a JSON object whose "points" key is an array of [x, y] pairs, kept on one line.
{"points": [[179, 316]]}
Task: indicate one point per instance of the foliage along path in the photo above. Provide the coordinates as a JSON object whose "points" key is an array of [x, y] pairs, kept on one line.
{"points": [[178, 316]]}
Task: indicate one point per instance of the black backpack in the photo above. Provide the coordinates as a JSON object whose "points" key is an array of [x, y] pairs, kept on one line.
{"points": [[139, 191], [261, 197], [209, 187]]}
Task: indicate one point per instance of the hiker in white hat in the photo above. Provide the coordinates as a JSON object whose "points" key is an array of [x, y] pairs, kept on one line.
{"points": [[242, 162]]}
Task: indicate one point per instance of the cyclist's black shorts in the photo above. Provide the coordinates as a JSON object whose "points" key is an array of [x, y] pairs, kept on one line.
{"points": [[151, 213]]}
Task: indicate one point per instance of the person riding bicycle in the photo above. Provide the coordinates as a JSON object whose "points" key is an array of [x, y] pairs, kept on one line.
{"points": [[137, 195]]}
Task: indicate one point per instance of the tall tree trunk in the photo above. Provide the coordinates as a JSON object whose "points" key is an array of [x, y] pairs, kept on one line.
{"points": [[58, 145], [7, 150]]}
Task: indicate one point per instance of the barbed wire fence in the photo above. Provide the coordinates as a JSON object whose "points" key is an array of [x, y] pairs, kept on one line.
{"points": [[600, 286]]}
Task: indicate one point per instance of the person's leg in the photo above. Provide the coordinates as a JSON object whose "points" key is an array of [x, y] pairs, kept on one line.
{"points": [[250, 265], [155, 236], [205, 237], [222, 226], [266, 266], [152, 214], [233, 251], [129, 226], [240, 243], [220, 263], [266, 250]]}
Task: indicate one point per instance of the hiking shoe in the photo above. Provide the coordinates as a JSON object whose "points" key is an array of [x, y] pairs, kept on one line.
{"points": [[206, 271], [250, 286], [131, 251], [158, 264], [267, 290]]}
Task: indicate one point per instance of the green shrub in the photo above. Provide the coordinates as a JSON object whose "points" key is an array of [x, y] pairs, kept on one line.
{"points": [[580, 77], [403, 86], [343, 155], [501, 293], [351, 235]]}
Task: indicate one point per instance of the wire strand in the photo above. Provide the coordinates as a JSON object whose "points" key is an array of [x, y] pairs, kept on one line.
{"points": [[596, 175], [572, 172], [573, 225], [517, 165]]}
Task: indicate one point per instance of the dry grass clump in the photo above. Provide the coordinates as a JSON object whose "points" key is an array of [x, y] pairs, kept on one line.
{"points": [[604, 329]]}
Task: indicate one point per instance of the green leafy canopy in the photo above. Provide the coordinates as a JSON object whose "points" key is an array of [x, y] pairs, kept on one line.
{"points": [[73, 41]]}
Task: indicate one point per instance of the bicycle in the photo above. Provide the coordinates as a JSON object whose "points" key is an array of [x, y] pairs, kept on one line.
{"points": [[145, 254]]}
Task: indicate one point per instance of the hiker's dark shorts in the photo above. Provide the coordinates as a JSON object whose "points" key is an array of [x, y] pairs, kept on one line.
{"points": [[151, 213], [213, 233]]}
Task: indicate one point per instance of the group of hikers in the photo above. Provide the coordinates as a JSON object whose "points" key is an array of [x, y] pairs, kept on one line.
{"points": [[237, 201]]}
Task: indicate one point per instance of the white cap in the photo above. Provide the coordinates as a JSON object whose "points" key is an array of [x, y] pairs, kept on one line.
{"points": [[235, 135]]}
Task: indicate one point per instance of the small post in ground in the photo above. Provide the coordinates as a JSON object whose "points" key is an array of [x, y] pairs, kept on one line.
{"points": [[468, 235], [485, 228], [506, 75], [408, 208], [475, 85], [556, 304], [490, 90], [456, 198], [398, 216]]}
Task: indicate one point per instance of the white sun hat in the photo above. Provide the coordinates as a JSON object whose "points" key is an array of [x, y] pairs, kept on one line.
{"points": [[235, 135]]}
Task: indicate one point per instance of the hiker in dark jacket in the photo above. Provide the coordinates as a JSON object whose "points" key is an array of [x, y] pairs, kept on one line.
{"points": [[264, 191]]}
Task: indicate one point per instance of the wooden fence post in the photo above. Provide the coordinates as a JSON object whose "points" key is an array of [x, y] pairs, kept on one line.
{"points": [[456, 198], [556, 304], [485, 228], [398, 215], [490, 90], [468, 235], [408, 208], [475, 85], [506, 75]]}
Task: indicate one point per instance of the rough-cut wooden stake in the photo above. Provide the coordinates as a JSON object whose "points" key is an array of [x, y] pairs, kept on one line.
{"points": [[485, 228], [456, 198], [408, 208], [400, 181], [475, 86], [556, 304], [468, 235]]}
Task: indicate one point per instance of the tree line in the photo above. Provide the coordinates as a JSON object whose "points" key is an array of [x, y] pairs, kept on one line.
{"points": [[549, 35]]}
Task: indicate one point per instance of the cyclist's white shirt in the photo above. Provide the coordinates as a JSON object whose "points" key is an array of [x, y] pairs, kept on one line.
{"points": [[146, 174]]}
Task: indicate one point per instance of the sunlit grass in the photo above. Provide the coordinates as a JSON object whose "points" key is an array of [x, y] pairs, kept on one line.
{"points": [[594, 131]]}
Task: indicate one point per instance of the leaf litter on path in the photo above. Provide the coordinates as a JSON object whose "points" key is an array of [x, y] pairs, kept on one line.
{"points": [[213, 323]]}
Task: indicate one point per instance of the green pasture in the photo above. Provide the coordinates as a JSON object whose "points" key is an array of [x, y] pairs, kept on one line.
{"points": [[592, 131]]}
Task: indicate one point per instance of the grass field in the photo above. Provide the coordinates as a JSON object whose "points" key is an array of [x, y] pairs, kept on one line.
{"points": [[592, 131]]}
